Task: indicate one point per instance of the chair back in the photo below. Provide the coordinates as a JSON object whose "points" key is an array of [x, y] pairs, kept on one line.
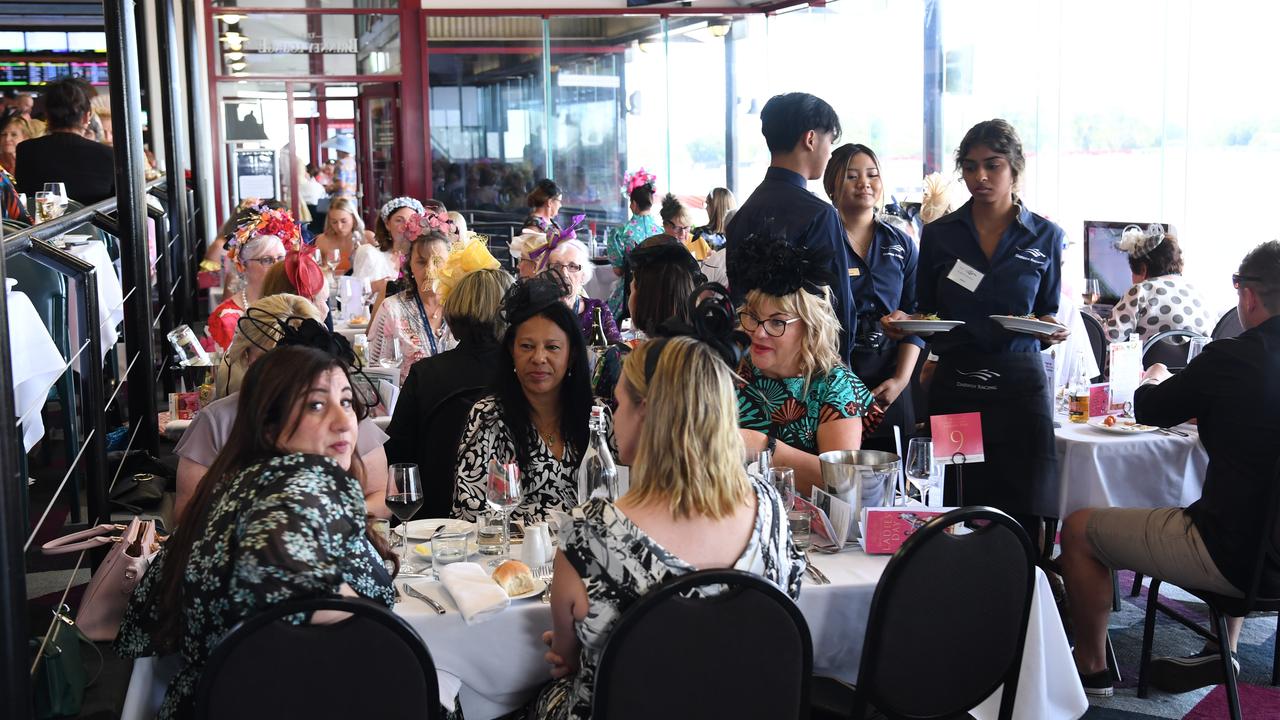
{"points": [[1168, 347], [1228, 326], [443, 428], [371, 664], [752, 657], [943, 595], [47, 290], [1269, 545], [1097, 338]]}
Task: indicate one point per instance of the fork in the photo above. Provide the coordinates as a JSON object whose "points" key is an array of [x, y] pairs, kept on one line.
{"points": [[814, 572], [545, 572]]}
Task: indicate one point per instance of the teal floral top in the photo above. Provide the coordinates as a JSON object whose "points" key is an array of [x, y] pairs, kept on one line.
{"points": [[781, 405], [620, 242], [289, 527]]}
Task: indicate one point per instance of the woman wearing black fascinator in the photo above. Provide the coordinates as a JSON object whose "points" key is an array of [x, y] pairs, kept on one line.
{"points": [[539, 411], [797, 397], [275, 320]]}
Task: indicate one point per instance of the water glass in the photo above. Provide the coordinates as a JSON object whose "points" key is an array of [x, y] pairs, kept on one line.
{"points": [[799, 522], [784, 481], [1195, 346], [920, 466], [448, 548], [489, 530]]}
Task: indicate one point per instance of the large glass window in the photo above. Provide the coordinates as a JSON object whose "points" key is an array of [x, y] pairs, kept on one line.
{"points": [[297, 44]]}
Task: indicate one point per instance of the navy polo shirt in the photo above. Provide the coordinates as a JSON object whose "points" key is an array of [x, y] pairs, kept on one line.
{"points": [[784, 202], [886, 280], [1023, 277]]}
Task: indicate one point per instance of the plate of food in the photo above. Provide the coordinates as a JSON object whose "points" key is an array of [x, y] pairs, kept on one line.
{"points": [[926, 325], [1120, 426], [359, 322], [517, 580], [1027, 324], [422, 530]]}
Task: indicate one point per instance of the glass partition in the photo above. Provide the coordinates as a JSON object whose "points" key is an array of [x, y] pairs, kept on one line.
{"points": [[301, 45]]}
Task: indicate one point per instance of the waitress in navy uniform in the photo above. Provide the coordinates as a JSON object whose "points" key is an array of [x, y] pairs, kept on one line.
{"points": [[995, 257], [882, 276]]}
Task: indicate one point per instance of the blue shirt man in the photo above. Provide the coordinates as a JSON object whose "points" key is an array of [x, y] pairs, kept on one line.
{"points": [[799, 129]]}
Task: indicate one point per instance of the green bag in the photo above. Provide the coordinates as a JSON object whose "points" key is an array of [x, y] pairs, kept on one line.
{"points": [[59, 682]]}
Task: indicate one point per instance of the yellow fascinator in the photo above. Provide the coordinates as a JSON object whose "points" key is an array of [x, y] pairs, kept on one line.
{"points": [[465, 257], [698, 248]]}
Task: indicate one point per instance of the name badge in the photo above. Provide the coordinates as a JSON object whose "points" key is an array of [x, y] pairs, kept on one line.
{"points": [[965, 276], [855, 272]]}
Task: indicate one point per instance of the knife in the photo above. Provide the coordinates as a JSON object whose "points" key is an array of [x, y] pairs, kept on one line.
{"points": [[421, 596]]}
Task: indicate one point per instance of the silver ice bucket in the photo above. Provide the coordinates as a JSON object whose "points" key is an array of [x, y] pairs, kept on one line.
{"points": [[862, 478]]}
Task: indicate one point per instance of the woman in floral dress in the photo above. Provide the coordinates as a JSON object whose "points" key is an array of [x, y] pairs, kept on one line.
{"points": [[622, 240]]}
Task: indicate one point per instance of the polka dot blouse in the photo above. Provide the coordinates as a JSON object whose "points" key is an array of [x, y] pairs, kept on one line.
{"points": [[1154, 305]]}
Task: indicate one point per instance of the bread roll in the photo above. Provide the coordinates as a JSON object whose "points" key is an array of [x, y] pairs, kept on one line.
{"points": [[515, 577]]}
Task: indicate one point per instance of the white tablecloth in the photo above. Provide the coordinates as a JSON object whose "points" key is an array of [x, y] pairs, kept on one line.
{"points": [[500, 664], [1147, 470], [110, 293], [36, 365], [343, 328], [602, 281]]}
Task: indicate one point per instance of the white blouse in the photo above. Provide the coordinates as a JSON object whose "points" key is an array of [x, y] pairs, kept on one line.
{"points": [[370, 263]]}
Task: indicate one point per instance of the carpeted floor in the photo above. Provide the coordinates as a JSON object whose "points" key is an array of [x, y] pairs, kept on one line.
{"points": [[1258, 698]]}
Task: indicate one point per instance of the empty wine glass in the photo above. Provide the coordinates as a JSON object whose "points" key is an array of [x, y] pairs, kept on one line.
{"points": [[403, 498], [919, 468], [784, 481], [392, 356], [333, 259], [1194, 347], [503, 494]]}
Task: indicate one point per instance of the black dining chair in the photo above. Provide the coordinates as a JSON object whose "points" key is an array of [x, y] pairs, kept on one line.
{"points": [[1168, 347], [1220, 606], [1097, 341], [942, 592], [370, 665], [681, 653], [1228, 326]]}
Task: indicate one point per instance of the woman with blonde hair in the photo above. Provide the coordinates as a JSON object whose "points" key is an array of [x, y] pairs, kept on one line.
{"points": [[690, 506], [344, 232], [720, 206], [797, 398]]}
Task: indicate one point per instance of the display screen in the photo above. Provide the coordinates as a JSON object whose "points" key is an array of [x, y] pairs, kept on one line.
{"points": [[87, 42], [40, 73], [46, 42], [1104, 262], [12, 41], [95, 72], [13, 73]]}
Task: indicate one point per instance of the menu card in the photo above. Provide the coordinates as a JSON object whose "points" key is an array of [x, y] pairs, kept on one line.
{"points": [[886, 528], [1099, 399], [957, 438], [837, 516], [1125, 361]]}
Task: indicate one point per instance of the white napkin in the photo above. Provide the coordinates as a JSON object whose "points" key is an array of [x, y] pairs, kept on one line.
{"points": [[476, 594]]}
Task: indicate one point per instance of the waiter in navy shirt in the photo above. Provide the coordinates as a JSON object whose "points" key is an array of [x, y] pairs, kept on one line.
{"points": [[995, 257], [882, 275], [799, 129]]}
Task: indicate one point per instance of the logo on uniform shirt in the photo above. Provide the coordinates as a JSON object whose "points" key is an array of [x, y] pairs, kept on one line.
{"points": [[1032, 255], [984, 375], [897, 252]]}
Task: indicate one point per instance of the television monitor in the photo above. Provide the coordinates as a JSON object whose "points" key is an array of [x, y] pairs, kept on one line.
{"points": [[41, 73], [95, 72], [87, 42], [1103, 261], [13, 74], [13, 41], [46, 42]]}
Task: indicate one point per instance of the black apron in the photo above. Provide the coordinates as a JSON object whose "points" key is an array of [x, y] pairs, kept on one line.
{"points": [[873, 365], [1020, 471]]}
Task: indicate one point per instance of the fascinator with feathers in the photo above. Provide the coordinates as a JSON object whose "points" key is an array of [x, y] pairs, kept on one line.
{"points": [[530, 296], [765, 261], [1139, 243], [262, 219], [306, 332]]}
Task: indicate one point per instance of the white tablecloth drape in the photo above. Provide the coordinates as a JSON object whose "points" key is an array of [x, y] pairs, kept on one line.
{"points": [[1146, 470], [36, 365], [110, 293], [500, 663]]}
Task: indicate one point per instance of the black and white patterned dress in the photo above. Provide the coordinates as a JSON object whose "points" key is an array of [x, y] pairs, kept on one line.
{"points": [[1157, 304], [548, 483], [619, 563]]}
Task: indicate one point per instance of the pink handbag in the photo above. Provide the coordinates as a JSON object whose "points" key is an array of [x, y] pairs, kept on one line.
{"points": [[108, 592]]}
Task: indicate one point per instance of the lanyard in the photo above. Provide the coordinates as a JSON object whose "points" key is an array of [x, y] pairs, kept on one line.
{"points": [[426, 323]]}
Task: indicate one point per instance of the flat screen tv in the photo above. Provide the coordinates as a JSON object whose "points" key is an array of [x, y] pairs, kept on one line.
{"points": [[46, 41], [1103, 261]]}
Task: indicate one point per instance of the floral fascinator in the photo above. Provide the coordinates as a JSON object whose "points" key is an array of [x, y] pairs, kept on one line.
{"points": [[555, 237], [1139, 243], [263, 220]]}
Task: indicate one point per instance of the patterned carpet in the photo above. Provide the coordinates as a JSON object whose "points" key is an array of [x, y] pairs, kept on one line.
{"points": [[1258, 698]]}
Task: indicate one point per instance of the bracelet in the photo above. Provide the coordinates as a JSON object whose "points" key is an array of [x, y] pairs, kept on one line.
{"points": [[772, 444]]}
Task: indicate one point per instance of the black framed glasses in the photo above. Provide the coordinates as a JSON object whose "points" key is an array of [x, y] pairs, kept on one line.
{"points": [[571, 267], [773, 327], [1237, 278]]}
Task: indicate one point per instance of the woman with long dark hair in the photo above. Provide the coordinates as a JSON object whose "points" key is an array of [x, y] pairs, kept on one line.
{"points": [[280, 515], [538, 414]]}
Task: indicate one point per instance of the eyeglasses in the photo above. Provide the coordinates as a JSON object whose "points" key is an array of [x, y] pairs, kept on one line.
{"points": [[571, 267], [1237, 278], [773, 327], [265, 262]]}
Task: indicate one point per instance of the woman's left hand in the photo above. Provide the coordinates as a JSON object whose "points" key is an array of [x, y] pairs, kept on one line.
{"points": [[558, 667], [888, 391], [1054, 338]]}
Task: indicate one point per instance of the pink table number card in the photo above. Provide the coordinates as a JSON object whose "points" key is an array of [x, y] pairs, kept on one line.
{"points": [[1099, 399], [957, 439]]}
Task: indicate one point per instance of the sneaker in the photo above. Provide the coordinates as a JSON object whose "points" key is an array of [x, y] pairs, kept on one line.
{"points": [[1098, 684], [1182, 674]]}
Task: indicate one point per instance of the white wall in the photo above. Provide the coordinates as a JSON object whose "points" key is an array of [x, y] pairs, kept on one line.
{"points": [[565, 4]]}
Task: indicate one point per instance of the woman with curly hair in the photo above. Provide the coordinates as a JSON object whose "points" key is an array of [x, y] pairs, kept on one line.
{"points": [[797, 398]]}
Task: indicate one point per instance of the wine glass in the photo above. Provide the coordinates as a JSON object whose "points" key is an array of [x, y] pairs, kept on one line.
{"points": [[1092, 291], [58, 194], [396, 358], [784, 481], [404, 497], [919, 468], [367, 295], [503, 494], [333, 260], [45, 204], [1195, 345]]}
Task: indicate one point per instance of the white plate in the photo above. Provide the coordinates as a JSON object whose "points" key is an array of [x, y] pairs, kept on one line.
{"points": [[1027, 325], [423, 529], [538, 586], [1120, 428], [926, 327], [423, 550]]}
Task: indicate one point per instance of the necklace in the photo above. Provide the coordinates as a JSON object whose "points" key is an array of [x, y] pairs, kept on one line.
{"points": [[244, 299]]}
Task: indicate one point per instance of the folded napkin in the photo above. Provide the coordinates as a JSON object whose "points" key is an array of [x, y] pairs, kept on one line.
{"points": [[476, 594]]}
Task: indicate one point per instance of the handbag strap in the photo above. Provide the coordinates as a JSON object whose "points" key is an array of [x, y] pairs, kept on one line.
{"points": [[95, 537]]}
